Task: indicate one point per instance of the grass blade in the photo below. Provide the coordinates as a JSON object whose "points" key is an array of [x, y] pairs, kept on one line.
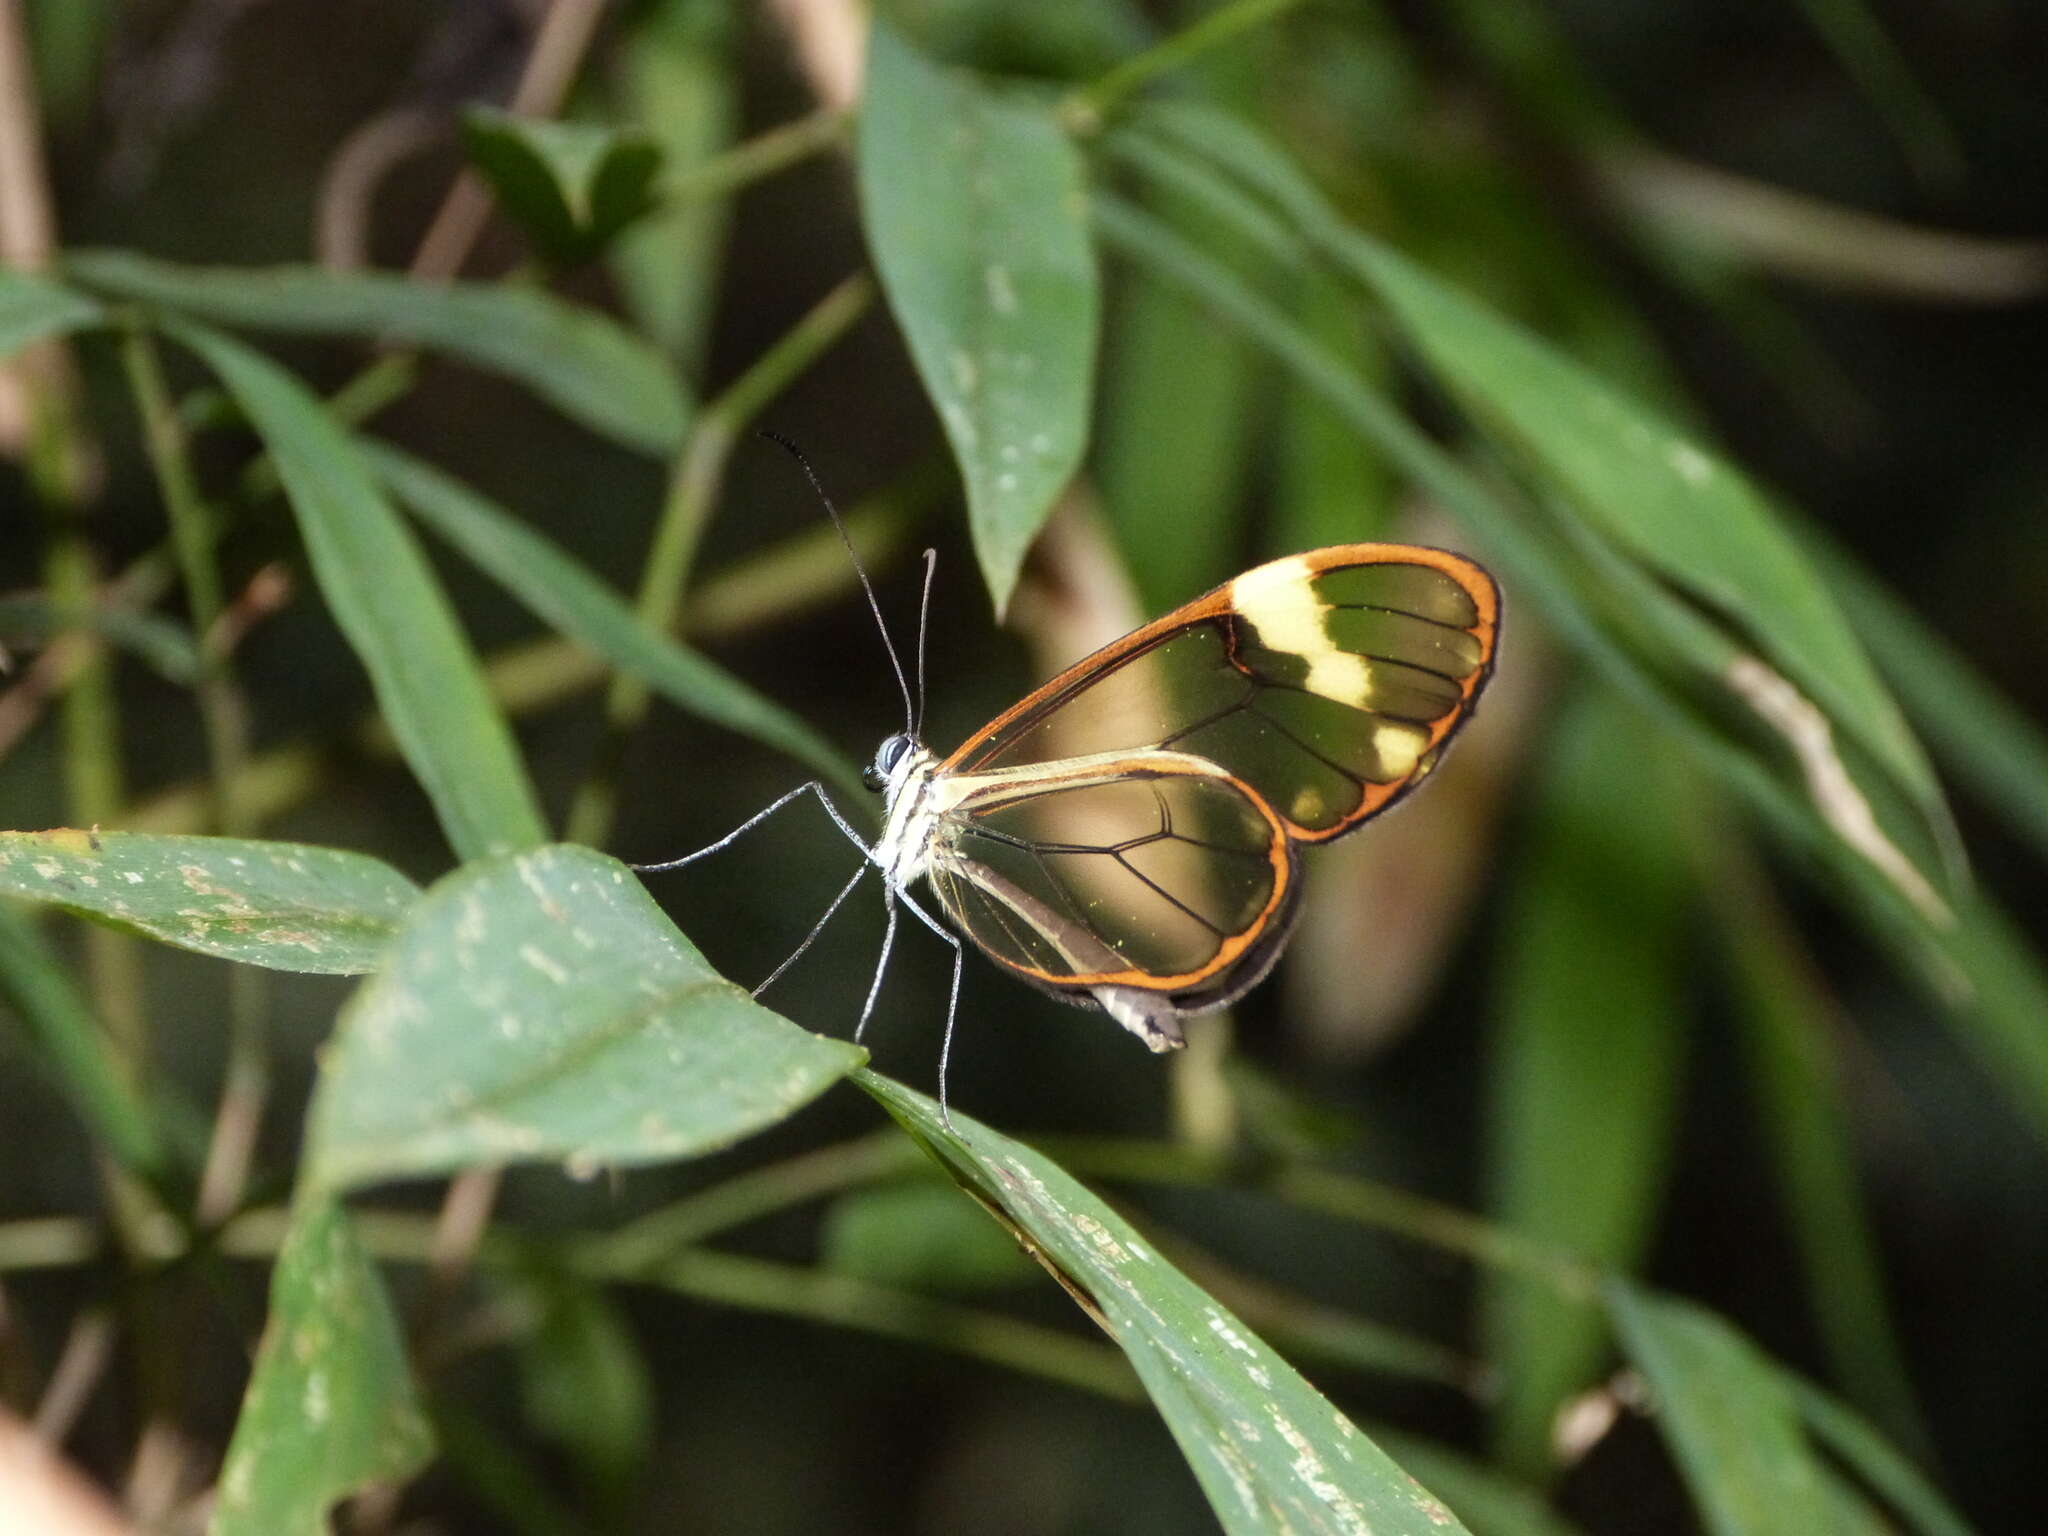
{"points": [[390, 606]]}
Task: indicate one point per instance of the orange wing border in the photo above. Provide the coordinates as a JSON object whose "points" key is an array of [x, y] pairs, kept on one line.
{"points": [[1235, 946], [1477, 583]]}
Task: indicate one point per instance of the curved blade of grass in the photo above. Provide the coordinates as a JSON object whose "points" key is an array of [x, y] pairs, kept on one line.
{"points": [[34, 309], [576, 603], [1786, 1018], [287, 906], [330, 1407], [584, 363], [1731, 1423], [1882, 1467], [976, 211], [1270, 1452], [165, 645], [390, 606], [68, 1043], [541, 1006], [1591, 1030]]}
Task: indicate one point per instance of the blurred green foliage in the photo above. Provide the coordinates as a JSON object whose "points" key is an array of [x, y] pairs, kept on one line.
{"points": [[1647, 1129]]}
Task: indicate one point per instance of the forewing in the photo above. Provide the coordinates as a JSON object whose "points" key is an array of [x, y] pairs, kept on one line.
{"points": [[1152, 871], [1329, 683]]}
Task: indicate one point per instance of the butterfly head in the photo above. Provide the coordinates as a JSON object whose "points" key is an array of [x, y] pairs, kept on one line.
{"points": [[892, 760]]}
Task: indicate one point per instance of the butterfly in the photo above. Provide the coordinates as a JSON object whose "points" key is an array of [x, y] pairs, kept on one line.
{"points": [[1128, 836]]}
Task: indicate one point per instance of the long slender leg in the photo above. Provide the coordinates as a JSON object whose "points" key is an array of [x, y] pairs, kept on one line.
{"points": [[881, 965], [812, 788], [952, 1003], [817, 928]]}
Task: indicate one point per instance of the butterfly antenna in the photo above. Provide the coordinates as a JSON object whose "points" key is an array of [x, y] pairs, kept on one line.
{"points": [[924, 613], [874, 606]]}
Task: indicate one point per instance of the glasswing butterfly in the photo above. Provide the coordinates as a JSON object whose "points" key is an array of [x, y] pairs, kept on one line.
{"points": [[1128, 836]]}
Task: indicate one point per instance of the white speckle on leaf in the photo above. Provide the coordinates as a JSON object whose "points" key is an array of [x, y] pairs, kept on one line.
{"points": [[1002, 293], [541, 962], [1693, 467], [1308, 1466]]}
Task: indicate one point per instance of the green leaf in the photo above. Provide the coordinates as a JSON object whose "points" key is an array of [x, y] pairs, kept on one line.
{"points": [[1725, 1411], [920, 1235], [584, 1381], [330, 1407], [1983, 739], [388, 603], [1788, 1023], [1486, 1499], [1590, 1039], [541, 1006], [34, 309], [975, 209], [571, 186], [287, 906], [1670, 505], [677, 82], [1883, 1469], [71, 1048], [165, 645], [583, 363], [1270, 1452], [582, 607]]}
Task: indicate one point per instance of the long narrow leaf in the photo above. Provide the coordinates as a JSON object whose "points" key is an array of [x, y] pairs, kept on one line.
{"points": [[388, 603], [573, 600], [1732, 1424], [283, 905], [35, 309], [578, 360], [1270, 1451], [1593, 1023], [330, 1407], [975, 209], [70, 1046]]}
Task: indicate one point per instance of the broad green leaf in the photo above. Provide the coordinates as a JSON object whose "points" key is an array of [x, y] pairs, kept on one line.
{"points": [[1270, 1452], [34, 309], [388, 603], [287, 906], [571, 186], [918, 1234], [330, 1407], [583, 363], [582, 607], [1592, 1018], [69, 1045], [975, 210], [1787, 1025], [541, 1006], [1725, 1411]]}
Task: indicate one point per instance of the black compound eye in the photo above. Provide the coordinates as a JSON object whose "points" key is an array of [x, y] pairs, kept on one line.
{"points": [[873, 778]]}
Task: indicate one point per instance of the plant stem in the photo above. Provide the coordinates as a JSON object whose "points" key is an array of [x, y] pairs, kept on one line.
{"points": [[694, 486], [760, 157], [1084, 110], [245, 1087]]}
